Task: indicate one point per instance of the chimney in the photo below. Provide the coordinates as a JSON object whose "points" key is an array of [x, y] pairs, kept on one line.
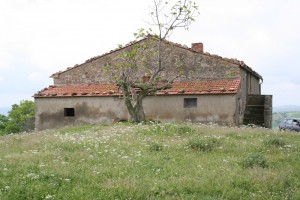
{"points": [[198, 47], [146, 78]]}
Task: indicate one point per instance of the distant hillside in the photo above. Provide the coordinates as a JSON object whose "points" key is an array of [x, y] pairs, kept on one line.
{"points": [[286, 108], [277, 117], [4, 110]]}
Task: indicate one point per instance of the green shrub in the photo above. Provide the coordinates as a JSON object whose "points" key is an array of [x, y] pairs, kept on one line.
{"points": [[11, 128], [20, 118], [275, 142], [76, 129], [203, 144], [155, 147], [185, 129], [253, 160], [167, 129]]}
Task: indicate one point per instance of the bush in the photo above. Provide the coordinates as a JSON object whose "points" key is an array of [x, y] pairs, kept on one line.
{"points": [[203, 144], [185, 129], [3, 123], [11, 128], [168, 129], [253, 160], [20, 118], [155, 147], [277, 142]]}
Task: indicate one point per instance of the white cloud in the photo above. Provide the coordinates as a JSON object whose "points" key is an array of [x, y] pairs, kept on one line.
{"points": [[34, 76], [6, 100], [6, 59], [284, 92], [45, 36], [61, 33]]}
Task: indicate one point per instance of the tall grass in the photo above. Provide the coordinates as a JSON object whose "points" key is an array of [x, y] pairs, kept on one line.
{"points": [[153, 161]]}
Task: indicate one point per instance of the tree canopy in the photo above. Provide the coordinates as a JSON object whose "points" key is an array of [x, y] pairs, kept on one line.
{"points": [[20, 118], [150, 56]]}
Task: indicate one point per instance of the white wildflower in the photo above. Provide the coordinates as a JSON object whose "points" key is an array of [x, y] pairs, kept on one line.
{"points": [[32, 176], [48, 196], [6, 187]]}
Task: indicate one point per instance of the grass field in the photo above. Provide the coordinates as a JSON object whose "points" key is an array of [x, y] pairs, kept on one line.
{"points": [[154, 161]]}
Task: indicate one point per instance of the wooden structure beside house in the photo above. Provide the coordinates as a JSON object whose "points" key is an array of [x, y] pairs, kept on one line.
{"points": [[210, 89]]}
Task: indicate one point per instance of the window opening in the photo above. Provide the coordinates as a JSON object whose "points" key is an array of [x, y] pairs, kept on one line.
{"points": [[190, 102], [69, 112]]}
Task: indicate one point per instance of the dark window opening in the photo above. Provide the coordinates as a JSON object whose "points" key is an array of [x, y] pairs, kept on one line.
{"points": [[69, 112], [190, 102]]}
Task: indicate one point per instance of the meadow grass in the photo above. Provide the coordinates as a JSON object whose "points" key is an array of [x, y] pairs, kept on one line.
{"points": [[151, 161]]}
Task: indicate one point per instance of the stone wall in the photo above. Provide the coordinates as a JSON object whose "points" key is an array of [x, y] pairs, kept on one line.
{"points": [[176, 60], [259, 110]]}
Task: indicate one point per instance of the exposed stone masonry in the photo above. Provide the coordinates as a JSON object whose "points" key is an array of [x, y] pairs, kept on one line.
{"points": [[189, 63]]}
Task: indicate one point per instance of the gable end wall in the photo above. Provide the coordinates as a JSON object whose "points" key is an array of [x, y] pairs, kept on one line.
{"points": [[189, 64]]}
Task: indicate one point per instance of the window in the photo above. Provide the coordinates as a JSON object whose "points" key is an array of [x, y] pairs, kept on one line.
{"points": [[295, 122], [190, 102], [69, 112]]}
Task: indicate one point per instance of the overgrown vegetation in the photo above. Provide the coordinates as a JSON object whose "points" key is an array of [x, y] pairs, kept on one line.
{"points": [[150, 161], [20, 118], [206, 144], [255, 159], [277, 142]]}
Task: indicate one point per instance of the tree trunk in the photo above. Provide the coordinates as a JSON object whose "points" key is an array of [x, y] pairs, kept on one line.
{"points": [[127, 100], [139, 110], [136, 111], [131, 110]]}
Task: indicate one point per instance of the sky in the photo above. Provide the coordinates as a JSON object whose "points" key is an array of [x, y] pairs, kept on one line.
{"points": [[41, 37]]}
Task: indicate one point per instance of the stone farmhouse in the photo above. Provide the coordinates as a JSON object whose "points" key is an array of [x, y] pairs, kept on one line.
{"points": [[210, 89]]}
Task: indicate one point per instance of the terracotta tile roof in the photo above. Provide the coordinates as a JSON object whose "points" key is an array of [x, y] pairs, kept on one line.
{"points": [[231, 60], [203, 87], [178, 88]]}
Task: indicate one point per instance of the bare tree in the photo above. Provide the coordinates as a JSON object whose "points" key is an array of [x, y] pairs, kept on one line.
{"points": [[148, 56]]}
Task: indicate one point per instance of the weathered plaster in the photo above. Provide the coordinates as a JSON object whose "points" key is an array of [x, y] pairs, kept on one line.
{"points": [[210, 108]]}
